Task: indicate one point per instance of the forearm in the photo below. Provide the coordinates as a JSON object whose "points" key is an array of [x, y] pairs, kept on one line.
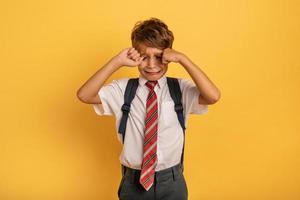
{"points": [[206, 87], [91, 87]]}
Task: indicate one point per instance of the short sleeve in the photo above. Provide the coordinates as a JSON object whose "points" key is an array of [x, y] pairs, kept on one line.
{"points": [[112, 98], [190, 98]]}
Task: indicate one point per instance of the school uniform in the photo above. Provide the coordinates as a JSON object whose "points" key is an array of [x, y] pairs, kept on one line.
{"points": [[169, 179]]}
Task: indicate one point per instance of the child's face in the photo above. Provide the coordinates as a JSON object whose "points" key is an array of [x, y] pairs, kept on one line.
{"points": [[151, 67]]}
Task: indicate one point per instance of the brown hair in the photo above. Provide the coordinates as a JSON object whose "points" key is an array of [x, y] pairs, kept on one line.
{"points": [[152, 32]]}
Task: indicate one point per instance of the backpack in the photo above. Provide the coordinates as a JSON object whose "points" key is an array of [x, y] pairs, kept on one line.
{"points": [[175, 93]]}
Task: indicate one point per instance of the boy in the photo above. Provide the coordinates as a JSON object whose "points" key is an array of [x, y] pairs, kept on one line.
{"points": [[153, 146]]}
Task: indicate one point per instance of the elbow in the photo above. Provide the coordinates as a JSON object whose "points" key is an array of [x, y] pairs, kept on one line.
{"points": [[81, 96], [215, 98]]}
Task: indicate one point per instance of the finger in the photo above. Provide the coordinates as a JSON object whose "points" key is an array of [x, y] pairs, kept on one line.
{"points": [[130, 51], [134, 52], [166, 49], [131, 54], [135, 56], [165, 61], [139, 61], [132, 57]]}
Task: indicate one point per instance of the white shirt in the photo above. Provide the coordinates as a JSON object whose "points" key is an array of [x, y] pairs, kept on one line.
{"points": [[169, 134]]}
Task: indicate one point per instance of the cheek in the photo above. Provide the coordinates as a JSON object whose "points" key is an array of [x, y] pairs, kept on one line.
{"points": [[165, 68], [140, 68], [142, 65]]}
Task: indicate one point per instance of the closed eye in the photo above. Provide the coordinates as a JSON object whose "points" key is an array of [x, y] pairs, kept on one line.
{"points": [[157, 57]]}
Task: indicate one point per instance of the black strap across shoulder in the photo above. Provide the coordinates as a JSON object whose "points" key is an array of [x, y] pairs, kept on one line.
{"points": [[129, 95], [176, 95]]}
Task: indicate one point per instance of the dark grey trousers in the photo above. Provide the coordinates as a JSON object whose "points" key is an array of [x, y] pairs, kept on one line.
{"points": [[169, 184]]}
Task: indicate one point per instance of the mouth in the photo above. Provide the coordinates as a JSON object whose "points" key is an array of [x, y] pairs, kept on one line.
{"points": [[153, 73]]}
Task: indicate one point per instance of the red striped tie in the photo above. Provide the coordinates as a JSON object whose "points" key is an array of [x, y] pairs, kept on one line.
{"points": [[150, 139]]}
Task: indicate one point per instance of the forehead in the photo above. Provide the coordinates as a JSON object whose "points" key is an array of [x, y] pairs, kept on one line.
{"points": [[144, 49]]}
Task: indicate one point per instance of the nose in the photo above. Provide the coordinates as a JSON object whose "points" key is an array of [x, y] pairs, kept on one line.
{"points": [[151, 62]]}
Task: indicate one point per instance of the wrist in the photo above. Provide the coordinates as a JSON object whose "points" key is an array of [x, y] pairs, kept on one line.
{"points": [[116, 63], [182, 58]]}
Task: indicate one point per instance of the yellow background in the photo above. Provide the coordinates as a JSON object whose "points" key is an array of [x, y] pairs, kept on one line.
{"points": [[54, 147]]}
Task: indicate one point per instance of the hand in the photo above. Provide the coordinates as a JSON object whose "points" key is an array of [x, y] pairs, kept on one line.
{"points": [[170, 55], [129, 57]]}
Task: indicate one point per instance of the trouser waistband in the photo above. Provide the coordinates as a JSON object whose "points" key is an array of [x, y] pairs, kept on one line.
{"points": [[159, 176]]}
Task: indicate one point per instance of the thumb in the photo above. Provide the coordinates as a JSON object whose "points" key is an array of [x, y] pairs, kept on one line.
{"points": [[133, 63], [165, 61], [138, 61]]}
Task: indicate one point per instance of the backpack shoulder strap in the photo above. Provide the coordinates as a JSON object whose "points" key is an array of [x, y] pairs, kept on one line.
{"points": [[176, 95], [129, 95]]}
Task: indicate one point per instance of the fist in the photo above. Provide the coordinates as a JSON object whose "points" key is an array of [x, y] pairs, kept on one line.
{"points": [[129, 57], [170, 55]]}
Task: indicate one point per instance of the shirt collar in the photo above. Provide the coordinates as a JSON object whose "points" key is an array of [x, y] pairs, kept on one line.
{"points": [[160, 82]]}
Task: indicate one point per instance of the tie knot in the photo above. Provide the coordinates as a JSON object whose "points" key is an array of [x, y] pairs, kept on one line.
{"points": [[151, 84]]}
